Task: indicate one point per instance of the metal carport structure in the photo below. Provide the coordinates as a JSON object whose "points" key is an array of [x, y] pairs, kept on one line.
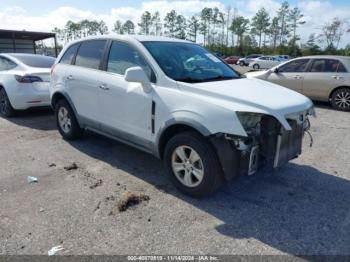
{"points": [[12, 41]]}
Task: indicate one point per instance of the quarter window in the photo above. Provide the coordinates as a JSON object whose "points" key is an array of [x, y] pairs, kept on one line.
{"points": [[6, 64], [294, 66], [90, 54], [341, 68], [68, 56], [122, 56]]}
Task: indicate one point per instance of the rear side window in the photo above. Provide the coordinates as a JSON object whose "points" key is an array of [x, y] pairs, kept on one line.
{"points": [[294, 66], [324, 66], [90, 54], [39, 61], [6, 64], [69, 55], [122, 56]]}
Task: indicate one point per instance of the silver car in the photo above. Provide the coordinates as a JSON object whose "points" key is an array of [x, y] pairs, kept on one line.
{"points": [[322, 78]]}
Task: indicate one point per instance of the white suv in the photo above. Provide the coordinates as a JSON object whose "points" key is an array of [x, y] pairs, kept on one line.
{"points": [[177, 101]]}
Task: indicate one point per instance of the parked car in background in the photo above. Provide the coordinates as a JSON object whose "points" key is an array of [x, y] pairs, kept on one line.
{"points": [[206, 122], [323, 78], [283, 58], [245, 61], [264, 62], [232, 60], [24, 82]]}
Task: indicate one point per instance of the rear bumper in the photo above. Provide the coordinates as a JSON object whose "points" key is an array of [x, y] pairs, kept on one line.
{"points": [[30, 95]]}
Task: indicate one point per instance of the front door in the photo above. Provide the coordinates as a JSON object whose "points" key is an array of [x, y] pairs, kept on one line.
{"points": [[126, 108], [290, 75]]}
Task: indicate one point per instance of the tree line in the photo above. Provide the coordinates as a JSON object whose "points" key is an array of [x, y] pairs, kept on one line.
{"points": [[226, 31]]}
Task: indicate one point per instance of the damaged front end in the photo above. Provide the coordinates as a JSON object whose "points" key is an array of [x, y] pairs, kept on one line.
{"points": [[268, 143]]}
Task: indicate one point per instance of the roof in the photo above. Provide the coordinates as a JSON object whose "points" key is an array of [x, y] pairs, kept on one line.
{"points": [[139, 38], [28, 35], [326, 56]]}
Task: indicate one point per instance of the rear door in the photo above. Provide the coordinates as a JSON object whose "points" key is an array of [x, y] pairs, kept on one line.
{"points": [[85, 79], [290, 75], [322, 77]]}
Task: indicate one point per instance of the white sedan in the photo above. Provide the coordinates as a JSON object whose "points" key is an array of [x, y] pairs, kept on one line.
{"points": [[264, 62], [24, 82]]}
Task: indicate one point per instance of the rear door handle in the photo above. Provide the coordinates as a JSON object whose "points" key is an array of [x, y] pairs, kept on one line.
{"points": [[70, 77], [297, 77], [104, 87]]}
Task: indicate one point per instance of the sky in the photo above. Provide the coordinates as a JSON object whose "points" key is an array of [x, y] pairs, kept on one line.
{"points": [[38, 15]]}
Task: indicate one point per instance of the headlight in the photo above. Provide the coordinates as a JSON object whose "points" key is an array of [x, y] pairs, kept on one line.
{"points": [[249, 121]]}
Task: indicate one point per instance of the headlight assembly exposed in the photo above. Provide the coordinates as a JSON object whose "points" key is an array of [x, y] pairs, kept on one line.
{"points": [[250, 121]]}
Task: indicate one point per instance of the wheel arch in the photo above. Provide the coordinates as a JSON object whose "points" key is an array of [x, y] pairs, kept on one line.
{"points": [[335, 89], [2, 86], [176, 128], [62, 95]]}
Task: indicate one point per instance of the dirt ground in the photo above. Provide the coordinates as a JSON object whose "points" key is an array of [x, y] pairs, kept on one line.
{"points": [[304, 208]]}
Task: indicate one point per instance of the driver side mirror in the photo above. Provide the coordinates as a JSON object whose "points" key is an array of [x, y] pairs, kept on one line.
{"points": [[138, 75], [276, 70]]}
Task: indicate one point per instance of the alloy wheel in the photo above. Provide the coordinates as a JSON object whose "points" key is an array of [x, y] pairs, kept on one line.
{"points": [[342, 100], [64, 120], [187, 166]]}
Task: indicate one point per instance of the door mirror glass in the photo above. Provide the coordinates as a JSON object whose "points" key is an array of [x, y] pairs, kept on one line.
{"points": [[276, 70]]}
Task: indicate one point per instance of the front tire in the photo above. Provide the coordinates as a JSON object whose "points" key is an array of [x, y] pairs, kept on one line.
{"points": [[341, 99], [66, 121], [241, 63], [256, 66], [6, 109], [193, 165]]}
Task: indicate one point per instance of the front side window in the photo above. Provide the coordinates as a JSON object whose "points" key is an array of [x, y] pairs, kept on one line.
{"points": [[69, 55], [294, 66], [324, 66], [188, 62], [123, 56], [6, 64], [90, 54]]}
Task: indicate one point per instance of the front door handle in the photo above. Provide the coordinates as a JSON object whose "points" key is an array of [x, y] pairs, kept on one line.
{"points": [[104, 87], [70, 77], [337, 77], [297, 77]]}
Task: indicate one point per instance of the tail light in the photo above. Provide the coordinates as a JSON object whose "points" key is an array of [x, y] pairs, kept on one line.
{"points": [[53, 68], [28, 79]]}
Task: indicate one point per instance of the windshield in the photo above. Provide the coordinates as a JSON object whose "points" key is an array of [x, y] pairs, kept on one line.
{"points": [[35, 60], [188, 62]]}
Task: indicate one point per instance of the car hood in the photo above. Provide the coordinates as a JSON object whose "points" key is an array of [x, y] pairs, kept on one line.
{"points": [[252, 95]]}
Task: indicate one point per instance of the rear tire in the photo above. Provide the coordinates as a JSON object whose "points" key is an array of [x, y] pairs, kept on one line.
{"points": [[66, 121], [6, 109], [341, 99], [193, 165]]}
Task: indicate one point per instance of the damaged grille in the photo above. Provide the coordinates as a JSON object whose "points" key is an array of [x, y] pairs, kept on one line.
{"points": [[277, 145]]}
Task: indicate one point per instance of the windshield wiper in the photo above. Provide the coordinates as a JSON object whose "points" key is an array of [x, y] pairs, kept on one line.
{"points": [[218, 78], [189, 80]]}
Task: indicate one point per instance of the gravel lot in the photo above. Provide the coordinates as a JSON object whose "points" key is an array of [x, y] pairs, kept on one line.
{"points": [[304, 208]]}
